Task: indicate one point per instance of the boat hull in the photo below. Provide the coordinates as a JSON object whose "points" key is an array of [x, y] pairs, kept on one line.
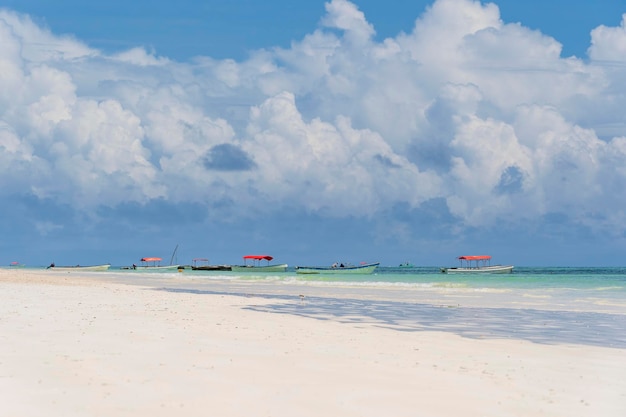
{"points": [[211, 268], [361, 269], [157, 268], [104, 267], [495, 269], [265, 268]]}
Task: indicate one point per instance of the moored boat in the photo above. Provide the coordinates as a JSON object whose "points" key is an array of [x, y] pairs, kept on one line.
{"points": [[338, 269], [471, 264], [202, 264], [103, 267], [154, 264], [252, 263]]}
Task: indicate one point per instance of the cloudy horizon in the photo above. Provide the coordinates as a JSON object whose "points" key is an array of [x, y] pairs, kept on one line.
{"points": [[466, 135]]}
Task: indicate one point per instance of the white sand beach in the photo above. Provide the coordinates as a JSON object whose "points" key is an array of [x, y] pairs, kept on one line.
{"points": [[79, 345]]}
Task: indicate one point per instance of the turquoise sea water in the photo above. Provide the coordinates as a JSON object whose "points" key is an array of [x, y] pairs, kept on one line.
{"points": [[592, 279], [593, 289]]}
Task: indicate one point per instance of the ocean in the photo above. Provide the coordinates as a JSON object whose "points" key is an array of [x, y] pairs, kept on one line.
{"points": [[608, 281], [592, 289], [530, 278]]}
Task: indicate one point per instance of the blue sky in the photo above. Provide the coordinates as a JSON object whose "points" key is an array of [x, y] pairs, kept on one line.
{"points": [[231, 29], [313, 131]]}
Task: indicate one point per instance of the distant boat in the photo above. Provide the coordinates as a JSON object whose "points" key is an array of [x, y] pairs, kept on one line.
{"points": [[16, 265], [102, 267], [254, 265], [338, 269], [154, 264], [406, 265], [471, 264], [202, 264]]}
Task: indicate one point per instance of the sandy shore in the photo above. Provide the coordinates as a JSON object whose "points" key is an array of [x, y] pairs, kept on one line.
{"points": [[74, 345]]}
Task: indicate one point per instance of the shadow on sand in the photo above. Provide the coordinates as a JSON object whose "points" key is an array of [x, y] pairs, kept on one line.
{"points": [[538, 326]]}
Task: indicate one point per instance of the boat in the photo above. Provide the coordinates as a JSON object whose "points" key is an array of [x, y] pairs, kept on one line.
{"points": [[406, 264], [103, 267], [338, 269], [154, 264], [254, 264], [202, 264], [471, 264]]}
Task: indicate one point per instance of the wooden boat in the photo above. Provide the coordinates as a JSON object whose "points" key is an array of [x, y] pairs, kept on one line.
{"points": [[154, 264], [102, 267], [202, 264], [472, 264], [252, 263], [340, 269]]}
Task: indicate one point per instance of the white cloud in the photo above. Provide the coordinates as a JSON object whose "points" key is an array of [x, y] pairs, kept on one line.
{"points": [[331, 167], [467, 108], [38, 44], [141, 58], [344, 15], [609, 43]]}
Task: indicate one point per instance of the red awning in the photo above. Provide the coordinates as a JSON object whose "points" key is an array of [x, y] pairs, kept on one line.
{"points": [[259, 257], [150, 259], [475, 257]]}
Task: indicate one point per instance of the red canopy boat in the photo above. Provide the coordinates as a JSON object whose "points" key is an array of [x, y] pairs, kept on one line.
{"points": [[478, 263]]}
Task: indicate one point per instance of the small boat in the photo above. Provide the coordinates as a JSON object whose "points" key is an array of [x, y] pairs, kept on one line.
{"points": [[255, 265], [103, 267], [202, 264], [406, 265], [338, 269], [16, 265], [471, 264], [154, 264]]}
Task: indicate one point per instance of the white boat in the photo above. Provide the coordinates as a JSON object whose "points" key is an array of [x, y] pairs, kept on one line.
{"points": [[252, 263], [472, 264], [102, 267], [154, 264], [157, 268], [492, 269], [362, 269]]}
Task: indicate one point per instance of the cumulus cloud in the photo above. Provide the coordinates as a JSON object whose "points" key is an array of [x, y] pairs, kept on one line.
{"points": [[466, 109], [609, 43]]}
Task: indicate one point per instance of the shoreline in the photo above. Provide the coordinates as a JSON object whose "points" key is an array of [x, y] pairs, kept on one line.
{"points": [[76, 345]]}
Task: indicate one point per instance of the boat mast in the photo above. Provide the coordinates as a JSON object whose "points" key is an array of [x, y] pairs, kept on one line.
{"points": [[173, 254]]}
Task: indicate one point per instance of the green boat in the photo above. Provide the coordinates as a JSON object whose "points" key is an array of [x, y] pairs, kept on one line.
{"points": [[252, 263], [338, 269]]}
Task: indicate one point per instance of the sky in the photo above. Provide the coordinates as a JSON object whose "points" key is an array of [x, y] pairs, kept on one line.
{"points": [[317, 131]]}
